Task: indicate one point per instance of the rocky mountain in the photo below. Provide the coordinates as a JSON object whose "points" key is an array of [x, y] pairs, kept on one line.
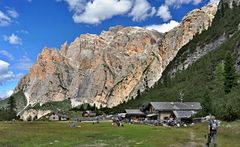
{"points": [[110, 68], [202, 68]]}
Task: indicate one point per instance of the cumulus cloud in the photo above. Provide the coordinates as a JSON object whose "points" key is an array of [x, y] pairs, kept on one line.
{"points": [[141, 10], [6, 54], [164, 13], [162, 28], [24, 63], [5, 73], [96, 11], [13, 39]]}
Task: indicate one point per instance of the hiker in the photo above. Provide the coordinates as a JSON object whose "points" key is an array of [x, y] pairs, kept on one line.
{"points": [[212, 131]]}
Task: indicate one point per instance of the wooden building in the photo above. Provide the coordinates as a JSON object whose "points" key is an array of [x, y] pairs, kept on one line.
{"points": [[134, 114], [172, 110]]}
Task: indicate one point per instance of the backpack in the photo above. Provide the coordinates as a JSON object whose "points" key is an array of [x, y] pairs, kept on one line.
{"points": [[214, 126]]}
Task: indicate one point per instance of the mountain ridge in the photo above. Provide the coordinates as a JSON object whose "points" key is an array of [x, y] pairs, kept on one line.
{"points": [[93, 69]]}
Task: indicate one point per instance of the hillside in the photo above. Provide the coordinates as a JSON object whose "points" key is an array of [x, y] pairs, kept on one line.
{"points": [[196, 74]]}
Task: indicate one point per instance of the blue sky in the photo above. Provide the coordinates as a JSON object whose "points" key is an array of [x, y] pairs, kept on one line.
{"points": [[26, 26]]}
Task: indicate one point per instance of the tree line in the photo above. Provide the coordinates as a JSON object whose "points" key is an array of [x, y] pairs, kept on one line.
{"points": [[9, 113]]}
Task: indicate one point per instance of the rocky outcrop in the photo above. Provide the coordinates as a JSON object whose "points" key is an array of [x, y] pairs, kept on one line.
{"points": [[187, 58], [110, 68], [195, 22]]}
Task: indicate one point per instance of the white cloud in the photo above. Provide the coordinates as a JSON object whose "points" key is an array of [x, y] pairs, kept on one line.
{"points": [[13, 39], [164, 13], [141, 10], [98, 10], [162, 28], [214, 1], [7, 17], [24, 63], [12, 13], [6, 54], [5, 73], [4, 19]]}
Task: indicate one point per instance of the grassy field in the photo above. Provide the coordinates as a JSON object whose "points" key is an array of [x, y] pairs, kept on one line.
{"points": [[26, 134]]}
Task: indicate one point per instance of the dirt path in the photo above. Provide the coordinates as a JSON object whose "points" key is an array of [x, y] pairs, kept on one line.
{"points": [[192, 142]]}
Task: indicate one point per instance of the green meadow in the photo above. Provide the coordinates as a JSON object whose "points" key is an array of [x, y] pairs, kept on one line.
{"points": [[59, 134]]}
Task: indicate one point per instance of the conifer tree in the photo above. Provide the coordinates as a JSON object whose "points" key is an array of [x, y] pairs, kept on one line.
{"points": [[12, 104], [229, 73], [206, 103]]}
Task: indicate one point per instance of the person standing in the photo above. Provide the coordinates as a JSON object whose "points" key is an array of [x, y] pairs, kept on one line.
{"points": [[212, 131]]}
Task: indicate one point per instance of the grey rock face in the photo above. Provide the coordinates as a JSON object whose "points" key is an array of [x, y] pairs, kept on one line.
{"points": [[199, 52]]}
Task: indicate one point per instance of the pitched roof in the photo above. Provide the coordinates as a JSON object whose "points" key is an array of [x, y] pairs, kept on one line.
{"points": [[183, 114], [164, 106], [134, 112]]}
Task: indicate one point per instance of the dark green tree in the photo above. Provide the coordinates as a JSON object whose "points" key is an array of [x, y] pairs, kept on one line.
{"points": [[229, 73], [206, 103], [89, 107], [12, 104], [218, 82], [81, 108], [94, 107]]}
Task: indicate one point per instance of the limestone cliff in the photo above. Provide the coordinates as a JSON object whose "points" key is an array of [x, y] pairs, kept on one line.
{"points": [[110, 68]]}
